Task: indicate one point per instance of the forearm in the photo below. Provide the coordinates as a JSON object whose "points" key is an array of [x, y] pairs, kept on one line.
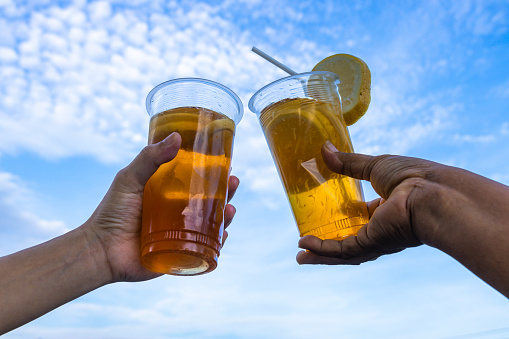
{"points": [[41, 278], [467, 217]]}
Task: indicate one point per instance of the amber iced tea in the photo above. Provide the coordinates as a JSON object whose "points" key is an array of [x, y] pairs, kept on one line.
{"points": [[324, 203], [183, 201]]}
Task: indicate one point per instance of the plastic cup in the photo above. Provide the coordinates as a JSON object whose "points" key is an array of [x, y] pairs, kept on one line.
{"points": [[184, 201], [298, 114]]}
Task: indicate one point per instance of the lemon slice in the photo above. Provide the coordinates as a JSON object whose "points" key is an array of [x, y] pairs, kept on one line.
{"points": [[304, 117], [179, 120], [355, 85], [178, 115], [219, 125]]}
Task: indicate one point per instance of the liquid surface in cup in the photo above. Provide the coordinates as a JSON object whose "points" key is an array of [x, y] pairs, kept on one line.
{"points": [[183, 202], [324, 203]]}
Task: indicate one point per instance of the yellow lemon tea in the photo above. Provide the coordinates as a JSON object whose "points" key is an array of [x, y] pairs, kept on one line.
{"points": [[324, 203]]}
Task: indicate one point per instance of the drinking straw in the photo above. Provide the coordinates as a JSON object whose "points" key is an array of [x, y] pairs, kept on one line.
{"points": [[274, 61]]}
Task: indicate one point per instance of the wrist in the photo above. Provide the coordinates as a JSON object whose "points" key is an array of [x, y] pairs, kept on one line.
{"points": [[453, 207], [429, 213], [97, 257], [435, 205]]}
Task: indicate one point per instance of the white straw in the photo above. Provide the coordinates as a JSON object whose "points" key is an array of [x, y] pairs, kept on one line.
{"points": [[274, 61]]}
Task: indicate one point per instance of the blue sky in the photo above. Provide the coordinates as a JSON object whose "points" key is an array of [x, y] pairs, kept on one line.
{"points": [[73, 79]]}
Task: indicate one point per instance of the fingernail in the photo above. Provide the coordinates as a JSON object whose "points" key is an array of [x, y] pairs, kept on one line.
{"points": [[330, 146]]}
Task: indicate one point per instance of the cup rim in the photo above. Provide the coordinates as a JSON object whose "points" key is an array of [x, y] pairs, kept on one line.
{"points": [[232, 94], [276, 82]]}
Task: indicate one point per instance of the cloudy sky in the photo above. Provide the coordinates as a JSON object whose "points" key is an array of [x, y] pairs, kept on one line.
{"points": [[73, 79]]}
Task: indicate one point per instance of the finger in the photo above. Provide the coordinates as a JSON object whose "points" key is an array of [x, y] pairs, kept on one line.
{"points": [[225, 236], [229, 213], [373, 205], [354, 165], [233, 184], [327, 248], [148, 161], [153, 156], [310, 258], [348, 251]]}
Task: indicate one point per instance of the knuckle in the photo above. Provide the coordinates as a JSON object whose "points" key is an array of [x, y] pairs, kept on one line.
{"points": [[347, 249], [122, 179], [122, 174], [347, 169], [147, 150]]}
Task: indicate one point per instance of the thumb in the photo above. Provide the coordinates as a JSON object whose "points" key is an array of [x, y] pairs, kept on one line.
{"points": [[358, 166], [385, 172], [136, 174]]}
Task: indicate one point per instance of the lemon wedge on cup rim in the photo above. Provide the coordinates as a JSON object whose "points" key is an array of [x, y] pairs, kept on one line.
{"points": [[355, 84]]}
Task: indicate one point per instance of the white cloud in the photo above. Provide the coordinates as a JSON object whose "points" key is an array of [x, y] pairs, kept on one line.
{"points": [[99, 10], [480, 21], [7, 55], [488, 138], [83, 72]]}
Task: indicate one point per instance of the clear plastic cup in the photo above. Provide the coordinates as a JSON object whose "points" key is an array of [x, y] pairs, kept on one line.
{"points": [[298, 114], [184, 201]]}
